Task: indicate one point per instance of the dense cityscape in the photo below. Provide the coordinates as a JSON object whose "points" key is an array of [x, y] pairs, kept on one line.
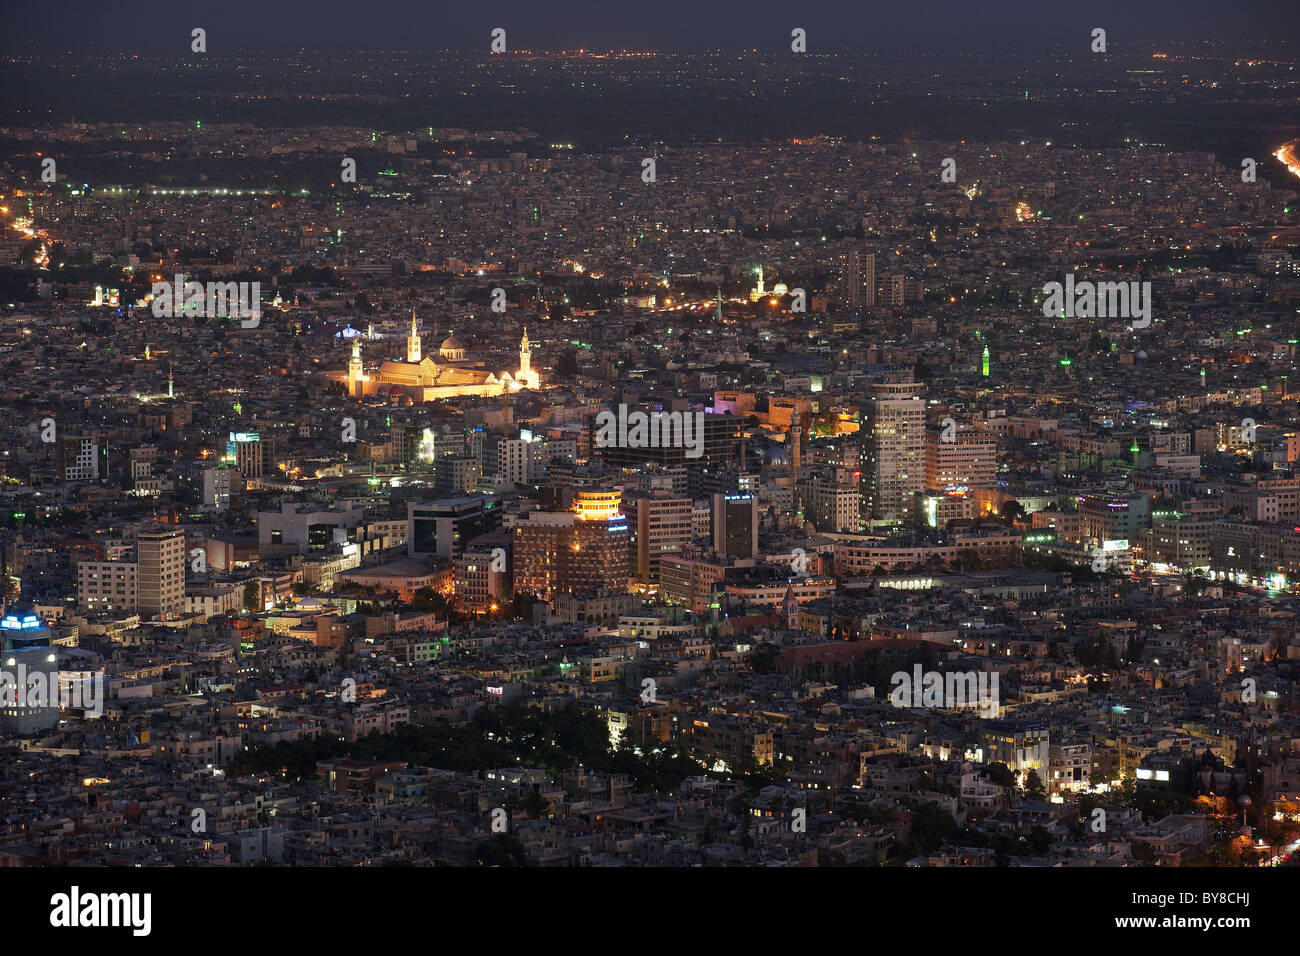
{"points": [[637, 477]]}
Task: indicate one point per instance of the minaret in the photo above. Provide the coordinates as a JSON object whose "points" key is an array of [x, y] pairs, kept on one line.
{"points": [[355, 369], [525, 361], [798, 424], [984, 367], [413, 342], [171, 390]]}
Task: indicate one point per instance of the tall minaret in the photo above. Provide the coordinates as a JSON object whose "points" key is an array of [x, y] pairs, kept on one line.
{"points": [[796, 445], [171, 390], [413, 341], [355, 369], [525, 360]]}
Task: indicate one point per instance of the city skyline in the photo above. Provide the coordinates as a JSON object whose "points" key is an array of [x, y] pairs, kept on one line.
{"points": [[839, 438]]}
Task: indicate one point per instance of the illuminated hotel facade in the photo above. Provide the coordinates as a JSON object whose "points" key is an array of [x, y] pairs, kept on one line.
{"points": [[581, 551]]}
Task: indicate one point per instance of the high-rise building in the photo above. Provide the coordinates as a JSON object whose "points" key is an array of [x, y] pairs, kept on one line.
{"points": [[894, 290], [893, 451], [29, 694], [442, 528], [831, 499], [735, 525], [79, 458], [204, 483], [969, 460], [718, 445], [660, 524], [160, 558], [246, 447], [582, 551], [861, 280], [482, 572], [456, 475], [404, 439], [509, 459]]}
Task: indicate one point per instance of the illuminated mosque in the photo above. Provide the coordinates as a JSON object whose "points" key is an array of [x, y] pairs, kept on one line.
{"points": [[424, 380]]}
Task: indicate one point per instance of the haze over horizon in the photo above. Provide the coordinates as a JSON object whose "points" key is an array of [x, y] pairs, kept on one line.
{"points": [[153, 26]]}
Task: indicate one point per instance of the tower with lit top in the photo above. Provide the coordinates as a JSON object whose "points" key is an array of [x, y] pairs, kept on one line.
{"points": [[356, 374], [30, 664], [413, 342], [527, 378], [984, 364]]}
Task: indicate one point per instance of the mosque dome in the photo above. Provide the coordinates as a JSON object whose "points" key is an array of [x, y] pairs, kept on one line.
{"points": [[776, 455], [452, 347]]}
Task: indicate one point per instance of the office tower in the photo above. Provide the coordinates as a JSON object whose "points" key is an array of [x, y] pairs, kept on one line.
{"points": [[246, 447], [660, 524], [735, 525], [896, 290], [718, 445], [29, 664], [893, 451], [160, 558], [204, 484], [442, 528]]}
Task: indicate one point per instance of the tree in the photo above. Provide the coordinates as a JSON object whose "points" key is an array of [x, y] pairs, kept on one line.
{"points": [[763, 660], [251, 591], [1011, 511], [566, 366], [1040, 839], [1034, 789], [536, 805], [521, 605], [1001, 774], [503, 849]]}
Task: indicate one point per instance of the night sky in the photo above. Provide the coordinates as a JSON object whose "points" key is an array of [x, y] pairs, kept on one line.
{"points": [[162, 26]]}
